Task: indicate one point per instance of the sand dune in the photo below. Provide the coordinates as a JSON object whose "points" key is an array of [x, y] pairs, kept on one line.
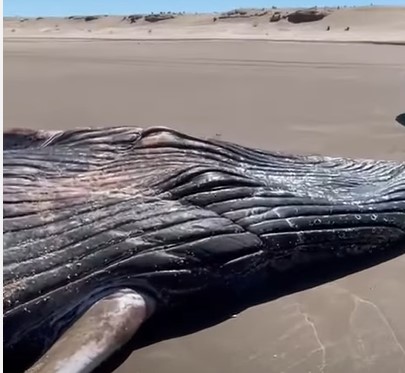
{"points": [[367, 24]]}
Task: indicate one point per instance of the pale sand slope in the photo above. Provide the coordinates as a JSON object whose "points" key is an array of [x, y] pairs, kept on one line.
{"points": [[375, 24], [313, 98]]}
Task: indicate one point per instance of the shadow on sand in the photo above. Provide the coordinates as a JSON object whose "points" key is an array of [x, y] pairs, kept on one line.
{"points": [[209, 311]]}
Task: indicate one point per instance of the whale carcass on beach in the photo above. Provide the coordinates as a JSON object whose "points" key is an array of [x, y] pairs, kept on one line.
{"points": [[105, 227]]}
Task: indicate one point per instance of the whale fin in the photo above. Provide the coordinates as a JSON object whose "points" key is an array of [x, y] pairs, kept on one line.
{"points": [[97, 334]]}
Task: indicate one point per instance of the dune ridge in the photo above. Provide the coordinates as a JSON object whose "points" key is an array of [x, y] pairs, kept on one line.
{"points": [[363, 24]]}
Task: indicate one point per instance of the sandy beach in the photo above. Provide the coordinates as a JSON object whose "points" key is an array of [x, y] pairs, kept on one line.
{"points": [[321, 98]]}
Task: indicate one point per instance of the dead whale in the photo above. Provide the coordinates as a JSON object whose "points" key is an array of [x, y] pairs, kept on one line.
{"points": [[105, 227]]}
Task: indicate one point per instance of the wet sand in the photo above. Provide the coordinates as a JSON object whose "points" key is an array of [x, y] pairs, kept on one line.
{"points": [[335, 99]]}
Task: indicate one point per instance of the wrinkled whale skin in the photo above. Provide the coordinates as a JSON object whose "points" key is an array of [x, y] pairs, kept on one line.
{"points": [[89, 211]]}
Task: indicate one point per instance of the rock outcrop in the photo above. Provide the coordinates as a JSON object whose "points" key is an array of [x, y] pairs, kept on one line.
{"points": [[239, 13], [275, 17], [158, 17], [132, 18], [83, 18], [307, 15]]}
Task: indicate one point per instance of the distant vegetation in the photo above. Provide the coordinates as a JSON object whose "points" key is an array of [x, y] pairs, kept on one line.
{"points": [[84, 18]]}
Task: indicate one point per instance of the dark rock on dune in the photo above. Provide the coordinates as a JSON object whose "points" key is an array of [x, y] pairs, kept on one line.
{"points": [[231, 13], [237, 13], [90, 18], [83, 18], [309, 15], [260, 14], [132, 18], [275, 17], [158, 17]]}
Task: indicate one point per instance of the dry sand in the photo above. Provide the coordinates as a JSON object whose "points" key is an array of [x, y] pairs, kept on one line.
{"points": [[338, 99], [372, 24]]}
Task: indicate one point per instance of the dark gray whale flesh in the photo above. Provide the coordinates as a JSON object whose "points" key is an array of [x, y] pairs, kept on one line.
{"points": [[104, 227]]}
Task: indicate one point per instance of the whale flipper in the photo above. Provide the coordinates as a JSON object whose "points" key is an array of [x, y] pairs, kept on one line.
{"points": [[97, 334]]}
